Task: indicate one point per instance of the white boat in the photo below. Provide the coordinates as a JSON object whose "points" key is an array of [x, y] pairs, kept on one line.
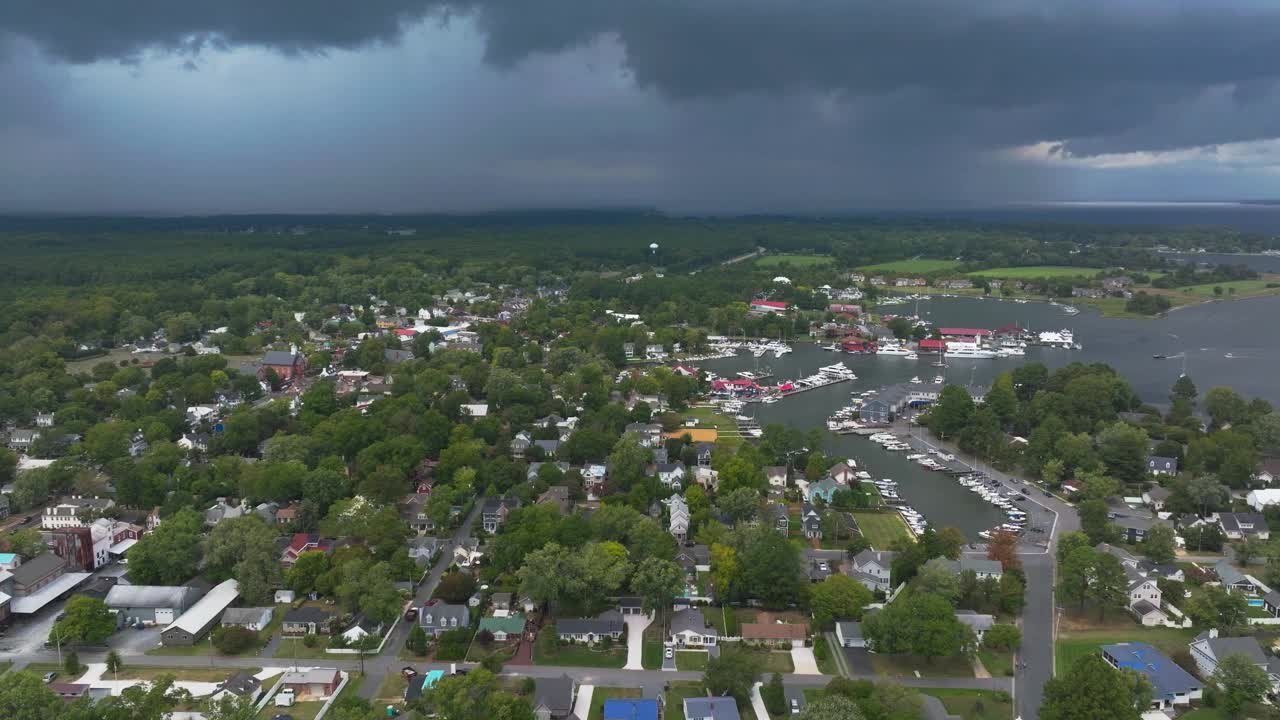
{"points": [[911, 356], [915, 380], [832, 346], [969, 350], [938, 380], [892, 347]]}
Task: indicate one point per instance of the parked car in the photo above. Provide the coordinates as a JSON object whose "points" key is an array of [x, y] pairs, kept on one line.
{"points": [[1026, 491], [50, 677], [411, 614], [795, 706], [671, 652]]}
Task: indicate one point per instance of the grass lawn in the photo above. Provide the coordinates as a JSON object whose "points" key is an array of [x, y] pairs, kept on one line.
{"points": [[915, 265], [1077, 638], [576, 655], [676, 695], [693, 660], [600, 694], [774, 662], [1253, 710], [881, 529], [651, 654], [292, 647], [998, 663], [796, 260], [190, 674], [4, 666], [393, 687], [42, 668], [974, 704], [822, 654], [708, 418], [1037, 271], [908, 665], [298, 711], [203, 649], [1241, 287]]}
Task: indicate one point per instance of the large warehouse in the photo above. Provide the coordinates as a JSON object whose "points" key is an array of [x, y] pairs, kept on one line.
{"points": [[202, 616]]}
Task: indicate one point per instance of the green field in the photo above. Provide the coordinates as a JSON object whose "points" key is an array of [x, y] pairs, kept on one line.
{"points": [[915, 265], [1241, 287], [600, 694], [1032, 272], [577, 655], [999, 664], [1075, 644], [909, 665], [800, 261], [709, 418], [974, 704], [691, 660], [881, 529]]}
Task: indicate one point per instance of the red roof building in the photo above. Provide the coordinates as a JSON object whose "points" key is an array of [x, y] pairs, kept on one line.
{"points": [[929, 345], [406, 332], [769, 306], [964, 332], [304, 542], [858, 346], [845, 309]]}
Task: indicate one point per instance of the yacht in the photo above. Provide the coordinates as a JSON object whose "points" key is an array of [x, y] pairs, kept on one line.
{"points": [[892, 347], [969, 350], [915, 380], [1061, 338], [938, 379], [832, 346], [1010, 351], [911, 356]]}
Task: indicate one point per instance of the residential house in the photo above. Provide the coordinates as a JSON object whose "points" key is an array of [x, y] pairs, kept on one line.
{"points": [[707, 477], [1157, 465], [689, 630], [553, 698], [1208, 649], [776, 475], [250, 618], [534, 467], [694, 559], [413, 511], [304, 542], [362, 627], [504, 628], [44, 420], [1234, 580], [521, 442], [307, 620], [267, 511], [311, 684], [1156, 497], [1260, 500], [780, 517], [811, 521], [1238, 526], [591, 630], [69, 692], [557, 495], [138, 444], [820, 568], [823, 490], [977, 622], [549, 447], [778, 634], [842, 473], [678, 511], [1171, 685], [195, 441], [395, 357], [631, 606], [671, 475], [424, 547], [646, 434], [872, 569], [979, 566], [711, 708], [438, 616], [241, 685], [21, 439], [849, 633], [496, 510], [1133, 523], [1144, 598], [702, 451], [1268, 472], [467, 552], [222, 510]]}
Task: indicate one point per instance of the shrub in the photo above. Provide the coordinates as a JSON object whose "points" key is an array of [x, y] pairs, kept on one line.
{"points": [[234, 640], [484, 637], [311, 640], [775, 700], [527, 686], [417, 642]]}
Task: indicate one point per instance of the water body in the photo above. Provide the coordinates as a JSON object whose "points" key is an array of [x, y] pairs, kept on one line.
{"points": [[1202, 336]]}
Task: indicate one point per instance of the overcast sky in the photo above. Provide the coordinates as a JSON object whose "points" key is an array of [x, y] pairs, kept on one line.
{"points": [[687, 105]]}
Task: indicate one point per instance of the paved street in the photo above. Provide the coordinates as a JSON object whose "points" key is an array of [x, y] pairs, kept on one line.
{"points": [[1035, 657]]}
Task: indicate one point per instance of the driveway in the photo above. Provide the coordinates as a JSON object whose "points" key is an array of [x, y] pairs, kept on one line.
{"points": [[859, 660], [794, 693], [668, 663], [804, 661], [635, 641], [757, 703], [582, 708]]}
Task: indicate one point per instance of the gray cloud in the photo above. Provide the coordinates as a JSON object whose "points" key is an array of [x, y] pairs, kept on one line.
{"points": [[736, 104]]}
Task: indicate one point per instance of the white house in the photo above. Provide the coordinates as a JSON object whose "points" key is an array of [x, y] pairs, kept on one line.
{"points": [[689, 629], [1262, 499]]}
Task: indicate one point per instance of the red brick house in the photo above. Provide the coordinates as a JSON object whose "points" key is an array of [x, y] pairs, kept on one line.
{"points": [[287, 364]]}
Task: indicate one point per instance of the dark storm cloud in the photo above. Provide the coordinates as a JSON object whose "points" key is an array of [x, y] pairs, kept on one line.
{"points": [[996, 73]]}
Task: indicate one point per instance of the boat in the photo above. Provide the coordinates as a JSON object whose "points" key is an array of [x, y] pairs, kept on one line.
{"points": [[969, 350], [915, 380], [939, 364], [938, 379], [892, 347], [832, 346], [911, 356]]}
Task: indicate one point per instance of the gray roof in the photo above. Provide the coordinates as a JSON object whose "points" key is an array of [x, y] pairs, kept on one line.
{"points": [[1223, 647], [1229, 574], [978, 621], [36, 568], [148, 596], [980, 565], [718, 708], [605, 623], [440, 610], [850, 629], [1246, 523], [278, 357], [242, 684], [691, 619], [244, 616], [210, 606], [883, 558], [556, 694]]}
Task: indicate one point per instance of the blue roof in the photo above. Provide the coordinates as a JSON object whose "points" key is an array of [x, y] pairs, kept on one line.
{"points": [[431, 678], [1167, 678], [630, 709]]}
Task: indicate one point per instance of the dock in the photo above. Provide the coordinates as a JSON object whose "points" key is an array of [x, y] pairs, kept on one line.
{"points": [[797, 391]]}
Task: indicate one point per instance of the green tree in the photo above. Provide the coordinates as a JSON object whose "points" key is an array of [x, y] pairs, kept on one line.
{"points": [[1123, 448], [306, 571], [838, 597], [769, 569], [774, 696], [1239, 682], [170, 554], [1225, 406], [88, 621], [740, 504], [1094, 521], [417, 642], [23, 696], [114, 663], [1075, 574], [921, 624], [71, 664], [1109, 586], [1160, 544], [732, 673], [1002, 636], [657, 581], [1092, 689], [244, 548], [952, 412], [233, 708]]}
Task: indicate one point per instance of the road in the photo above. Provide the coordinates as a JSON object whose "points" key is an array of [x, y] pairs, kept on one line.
{"points": [[391, 649], [1035, 658]]}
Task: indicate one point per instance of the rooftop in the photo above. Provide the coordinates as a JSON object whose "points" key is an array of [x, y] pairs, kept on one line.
{"points": [[202, 613]]}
